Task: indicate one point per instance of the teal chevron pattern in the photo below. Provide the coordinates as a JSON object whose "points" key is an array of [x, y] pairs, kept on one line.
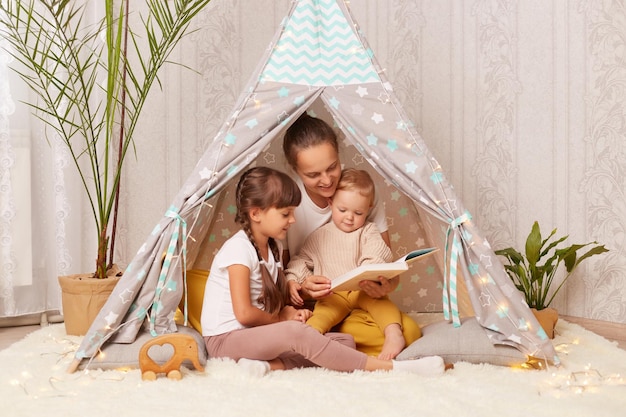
{"points": [[319, 48]]}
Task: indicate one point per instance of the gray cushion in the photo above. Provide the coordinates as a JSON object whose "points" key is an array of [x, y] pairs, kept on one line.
{"points": [[468, 343], [126, 355]]}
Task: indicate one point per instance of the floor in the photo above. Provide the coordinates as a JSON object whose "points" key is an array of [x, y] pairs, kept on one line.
{"points": [[611, 331]]}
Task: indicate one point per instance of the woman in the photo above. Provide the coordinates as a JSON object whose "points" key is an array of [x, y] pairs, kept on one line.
{"points": [[311, 148]]}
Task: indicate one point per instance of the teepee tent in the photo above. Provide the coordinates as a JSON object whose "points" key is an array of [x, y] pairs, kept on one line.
{"points": [[318, 53]]}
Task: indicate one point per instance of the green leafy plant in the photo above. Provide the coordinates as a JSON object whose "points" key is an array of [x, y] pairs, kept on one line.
{"points": [[91, 82], [534, 272]]}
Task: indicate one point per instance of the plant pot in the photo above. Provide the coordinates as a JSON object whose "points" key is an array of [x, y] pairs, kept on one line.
{"points": [[82, 298], [547, 318]]}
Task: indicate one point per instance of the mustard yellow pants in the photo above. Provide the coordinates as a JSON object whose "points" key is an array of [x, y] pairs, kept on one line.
{"points": [[363, 317]]}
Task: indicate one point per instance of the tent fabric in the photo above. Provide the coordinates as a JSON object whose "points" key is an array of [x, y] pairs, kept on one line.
{"points": [[319, 53]]}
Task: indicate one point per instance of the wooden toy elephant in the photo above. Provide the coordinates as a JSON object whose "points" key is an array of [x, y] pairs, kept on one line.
{"points": [[185, 348]]}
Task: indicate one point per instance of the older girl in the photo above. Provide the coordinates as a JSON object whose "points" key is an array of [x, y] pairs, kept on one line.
{"points": [[245, 315]]}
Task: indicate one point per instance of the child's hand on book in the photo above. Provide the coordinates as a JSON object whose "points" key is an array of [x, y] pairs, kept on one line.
{"points": [[316, 286]]}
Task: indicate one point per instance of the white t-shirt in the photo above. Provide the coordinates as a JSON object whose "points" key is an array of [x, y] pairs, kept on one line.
{"points": [[218, 316], [309, 216]]}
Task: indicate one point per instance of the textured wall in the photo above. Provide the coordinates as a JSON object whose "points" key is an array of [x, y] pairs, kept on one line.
{"points": [[522, 102]]}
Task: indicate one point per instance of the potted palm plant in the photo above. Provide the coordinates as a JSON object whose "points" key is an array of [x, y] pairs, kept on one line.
{"points": [[533, 272], [91, 81]]}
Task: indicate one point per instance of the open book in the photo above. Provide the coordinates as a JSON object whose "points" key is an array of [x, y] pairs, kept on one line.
{"points": [[350, 280]]}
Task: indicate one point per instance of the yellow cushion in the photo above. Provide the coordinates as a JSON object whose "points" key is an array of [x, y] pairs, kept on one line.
{"points": [[196, 281]]}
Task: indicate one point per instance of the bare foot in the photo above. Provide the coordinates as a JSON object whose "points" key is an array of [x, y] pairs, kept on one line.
{"points": [[394, 342]]}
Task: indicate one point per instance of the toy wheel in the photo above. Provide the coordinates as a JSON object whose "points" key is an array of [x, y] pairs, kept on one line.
{"points": [[175, 374], [148, 376]]}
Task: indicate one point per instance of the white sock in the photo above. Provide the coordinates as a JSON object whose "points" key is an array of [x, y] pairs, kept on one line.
{"points": [[427, 366], [254, 367]]}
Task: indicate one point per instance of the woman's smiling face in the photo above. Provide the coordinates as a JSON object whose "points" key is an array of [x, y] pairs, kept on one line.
{"points": [[319, 168]]}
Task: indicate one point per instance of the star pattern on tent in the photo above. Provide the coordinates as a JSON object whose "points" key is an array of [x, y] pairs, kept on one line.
{"points": [[358, 159], [141, 275], [473, 268], [430, 270], [407, 301], [269, 158], [252, 123], [411, 167], [392, 145], [372, 140], [361, 91], [230, 139], [205, 173], [403, 211], [436, 177], [542, 333], [415, 278], [378, 118], [401, 125], [485, 299], [502, 311], [283, 92], [493, 327], [357, 109], [390, 221], [111, 318], [282, 117], [486, 260], [299, 101], [140, 313], [333, 102], [383, 98], [94, 340], [395, 195], [231, 209], [395, 237], [126, 296], [423, 292], [226, 232], [523, 325]]}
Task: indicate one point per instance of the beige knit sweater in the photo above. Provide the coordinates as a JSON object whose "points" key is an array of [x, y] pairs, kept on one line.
{"points": [[331, 252]]}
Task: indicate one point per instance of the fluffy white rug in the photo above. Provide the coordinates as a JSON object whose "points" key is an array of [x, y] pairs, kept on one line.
{"points": [[590, 382]]}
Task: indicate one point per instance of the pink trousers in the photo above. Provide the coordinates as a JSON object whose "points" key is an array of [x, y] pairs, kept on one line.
{"points": [[296, 344]]}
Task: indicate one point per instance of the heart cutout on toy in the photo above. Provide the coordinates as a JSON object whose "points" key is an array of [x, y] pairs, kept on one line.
{"points": [[160, 354]]}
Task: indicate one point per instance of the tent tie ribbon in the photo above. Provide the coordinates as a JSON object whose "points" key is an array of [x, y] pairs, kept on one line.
{"points": [[180, 229], [450, 301]]}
